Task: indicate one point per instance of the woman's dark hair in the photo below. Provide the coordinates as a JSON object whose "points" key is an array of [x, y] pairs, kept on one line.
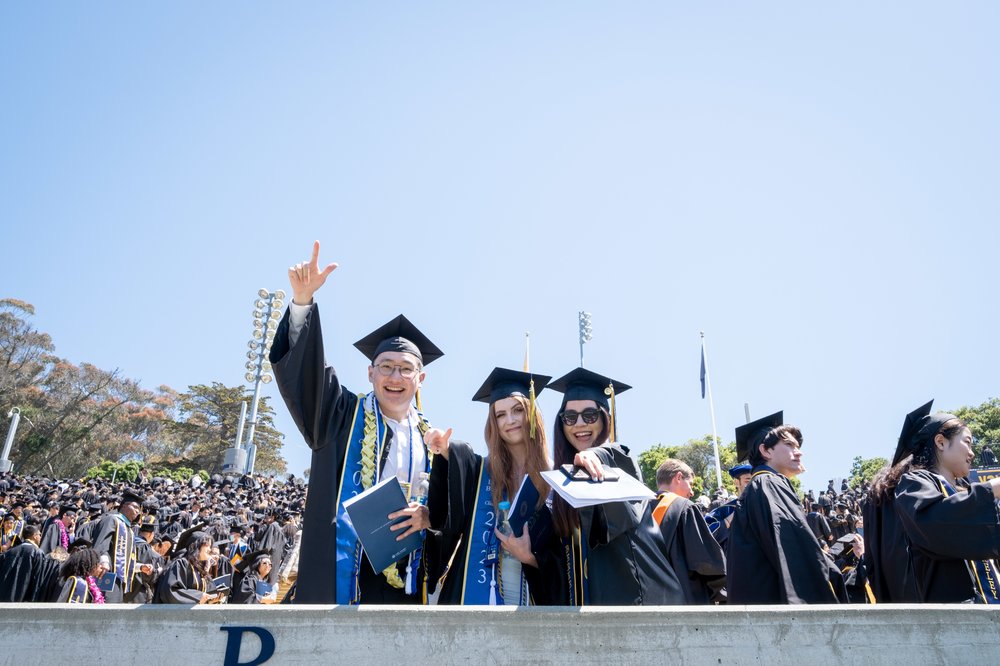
{"points": [[565, 517], [80, 563], [193, 548], [771, 439], [924, 457]]}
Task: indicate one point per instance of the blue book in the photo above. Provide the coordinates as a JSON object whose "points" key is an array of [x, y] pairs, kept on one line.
{"points": [[107, 582], [263, 588], [523, 506], [369, 513]]}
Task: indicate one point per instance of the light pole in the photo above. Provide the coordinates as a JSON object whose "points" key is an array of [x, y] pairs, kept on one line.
{"points": [[267, 312], [586, 332], [15, 418]]}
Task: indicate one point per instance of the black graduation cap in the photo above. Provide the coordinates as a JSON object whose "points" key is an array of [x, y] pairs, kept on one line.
{"points": [[503, 383], [399, 335], [129, 495], [583, 384], [912, 424], [252, 559], [750, 435], [843, 545], [66, 508]]}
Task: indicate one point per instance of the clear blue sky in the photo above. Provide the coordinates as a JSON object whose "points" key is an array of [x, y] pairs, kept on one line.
{"points": [[813, 185]]}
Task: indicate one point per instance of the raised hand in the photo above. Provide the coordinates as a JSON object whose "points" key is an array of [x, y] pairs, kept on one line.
{"points": [[590, 461], [519, 547], [306, 277], [437, 441]]}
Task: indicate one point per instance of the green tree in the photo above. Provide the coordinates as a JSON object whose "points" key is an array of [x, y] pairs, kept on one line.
{"points": [[984, 421], [864, 470], [206, 424], [699, 454]]}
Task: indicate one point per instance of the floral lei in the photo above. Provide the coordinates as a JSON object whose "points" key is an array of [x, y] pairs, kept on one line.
{"points": [[368, 464], [63, 535], [95, 591]]}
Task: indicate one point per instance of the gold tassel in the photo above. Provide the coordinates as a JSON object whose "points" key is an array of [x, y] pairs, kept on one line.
{"points": [[419, 407], [610, 391], [531, 412]]}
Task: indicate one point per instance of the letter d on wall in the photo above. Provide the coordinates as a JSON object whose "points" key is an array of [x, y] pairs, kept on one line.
{"points": [[235, 640]]}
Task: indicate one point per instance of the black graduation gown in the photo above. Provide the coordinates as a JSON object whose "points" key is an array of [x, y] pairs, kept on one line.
{"points": [[272, 539], [51, 538], [820, 526], [945, 532], [627, 561], [181, 584], [105, 541], [324, 410], [245, 588], [720, 520], [887, 557], [144, 585], [773, 557], [28, 574], [694, 553], [454, 483]]}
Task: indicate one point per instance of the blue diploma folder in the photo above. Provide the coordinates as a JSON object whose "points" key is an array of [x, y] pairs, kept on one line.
{"points": [[369, 514]]}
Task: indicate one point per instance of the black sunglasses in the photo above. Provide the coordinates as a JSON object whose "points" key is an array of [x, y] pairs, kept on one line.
{"points": [[589, 416]]}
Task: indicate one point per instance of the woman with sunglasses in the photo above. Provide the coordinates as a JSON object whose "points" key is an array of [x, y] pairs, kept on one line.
{"points": [[466, 496], [614, 553]]}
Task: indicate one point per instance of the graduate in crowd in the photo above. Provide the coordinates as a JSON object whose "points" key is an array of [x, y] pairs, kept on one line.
{"points": [[144, 585], [820, 526], [773, 556], [357, 440], [719, 520], [80, 573], [8, 535], [187, 580], [952, 527], [849, 556], [272, 540], [253, 569], [113, 534], [692, 550], [26, 573], [466, 491], [615, 553], [60, 530], [237, 548]]}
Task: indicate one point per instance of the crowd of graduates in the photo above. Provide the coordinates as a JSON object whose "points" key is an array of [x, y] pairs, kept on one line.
{"points": [[227, 540]]}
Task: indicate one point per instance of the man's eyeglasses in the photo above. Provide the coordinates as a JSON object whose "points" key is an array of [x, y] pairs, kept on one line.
{"points": [[405, 371], [589, 416]]}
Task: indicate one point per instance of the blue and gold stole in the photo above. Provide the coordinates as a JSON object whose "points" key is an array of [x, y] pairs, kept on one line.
{"points": [[124, 555], [357, 475], [483, 583], [80, 592], [984, 572]]}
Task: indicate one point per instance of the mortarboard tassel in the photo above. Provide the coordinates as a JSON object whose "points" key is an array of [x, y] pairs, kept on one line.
{"points": [[610, 391], [531, 411], [419, 408]]}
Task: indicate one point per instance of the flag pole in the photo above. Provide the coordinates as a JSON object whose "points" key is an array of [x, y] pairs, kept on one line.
{"points": [[711, 409]]}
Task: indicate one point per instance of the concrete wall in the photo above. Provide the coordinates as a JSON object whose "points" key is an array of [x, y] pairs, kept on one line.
{"points": [[50, 634]]}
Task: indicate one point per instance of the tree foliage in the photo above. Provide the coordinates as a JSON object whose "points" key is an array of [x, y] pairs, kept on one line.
{"points": [[864, 470], [984, 422], [74, 415], [699, 454]]}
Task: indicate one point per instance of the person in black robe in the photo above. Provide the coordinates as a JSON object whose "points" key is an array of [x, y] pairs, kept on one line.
{"points": [[272, 541], [256, 567], [693, 552], [79, 575], [113, 535], [466, 489], [62, 525], [186, 580], [819, 525], [26, 573], [625, 561], [773, 556], [952, 527], [331, 420], [849, 554], [144, 583]]}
